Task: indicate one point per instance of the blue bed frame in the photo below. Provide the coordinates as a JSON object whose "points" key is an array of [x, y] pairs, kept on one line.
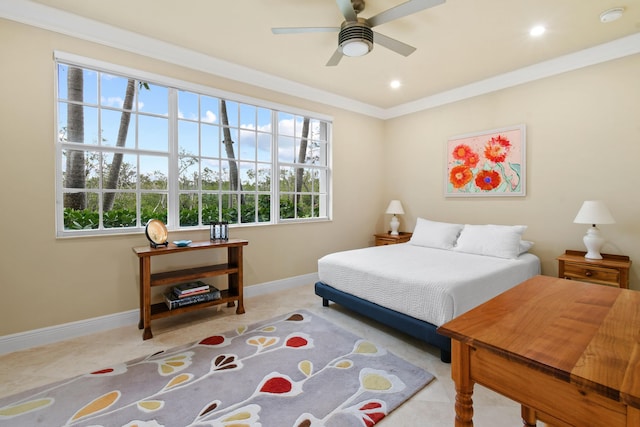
{"points": [[419, 329]]}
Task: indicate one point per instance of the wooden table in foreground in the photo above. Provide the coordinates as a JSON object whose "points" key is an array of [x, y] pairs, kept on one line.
{"points": [[567, 351]]}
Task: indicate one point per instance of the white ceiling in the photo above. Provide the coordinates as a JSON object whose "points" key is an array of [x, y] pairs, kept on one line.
{"points": [[460, 44]]}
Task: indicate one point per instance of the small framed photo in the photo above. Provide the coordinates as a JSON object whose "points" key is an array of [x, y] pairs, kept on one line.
{"points": [[489, 163]]}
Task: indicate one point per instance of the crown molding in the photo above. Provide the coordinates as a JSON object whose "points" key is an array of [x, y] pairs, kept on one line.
{"points": [[625, 46], [45, 17]]}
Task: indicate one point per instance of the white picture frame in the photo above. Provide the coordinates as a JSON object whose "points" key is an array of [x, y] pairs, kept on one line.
{"points": [[486, 163]]}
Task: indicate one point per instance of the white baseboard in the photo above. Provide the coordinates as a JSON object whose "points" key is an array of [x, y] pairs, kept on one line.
{"points": [[51, 334]]}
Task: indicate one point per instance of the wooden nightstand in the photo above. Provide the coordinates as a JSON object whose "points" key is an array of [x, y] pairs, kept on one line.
{"points": [[388, 239], [611, 270]]}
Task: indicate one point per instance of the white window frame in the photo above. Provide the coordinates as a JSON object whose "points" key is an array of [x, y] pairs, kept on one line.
{"points": [[172, 185]]}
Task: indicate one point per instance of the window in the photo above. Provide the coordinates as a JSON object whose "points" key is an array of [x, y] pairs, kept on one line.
{"points": [[133, 147]]}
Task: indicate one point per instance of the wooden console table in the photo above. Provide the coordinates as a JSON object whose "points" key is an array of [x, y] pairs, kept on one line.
{"points": [[232, 268], [567, 351]]}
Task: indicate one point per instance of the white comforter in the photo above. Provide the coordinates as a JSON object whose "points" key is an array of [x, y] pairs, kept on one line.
{"points": [[433, 285]]}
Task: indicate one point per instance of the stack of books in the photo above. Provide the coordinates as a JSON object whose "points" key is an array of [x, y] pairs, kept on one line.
{"points": [[190, 293]]}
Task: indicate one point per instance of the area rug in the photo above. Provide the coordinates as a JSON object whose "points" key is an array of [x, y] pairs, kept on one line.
{"points": [[297, 370]]}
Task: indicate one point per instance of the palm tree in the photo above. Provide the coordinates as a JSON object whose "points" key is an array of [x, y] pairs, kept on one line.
{"points": [[75, 174], [116, 164], [234, 181]]}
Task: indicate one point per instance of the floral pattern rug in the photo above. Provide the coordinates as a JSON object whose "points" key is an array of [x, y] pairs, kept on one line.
{"points": [[296, 370]]}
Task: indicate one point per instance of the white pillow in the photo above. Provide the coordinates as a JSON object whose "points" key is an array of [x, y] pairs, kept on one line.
{"points": [[433, 234], [525, 245], [502, 241]]}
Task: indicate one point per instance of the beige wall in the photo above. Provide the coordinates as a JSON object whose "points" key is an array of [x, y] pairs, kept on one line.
{"points": [[583, 142], [48, 281], [579, 122]]}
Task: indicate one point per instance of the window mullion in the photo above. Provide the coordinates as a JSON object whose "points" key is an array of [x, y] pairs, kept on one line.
{"points": [[173, 205], [275, 167]]}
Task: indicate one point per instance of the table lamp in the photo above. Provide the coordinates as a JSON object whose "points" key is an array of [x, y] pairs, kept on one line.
{"points": [[593, 212], [395, 208]]}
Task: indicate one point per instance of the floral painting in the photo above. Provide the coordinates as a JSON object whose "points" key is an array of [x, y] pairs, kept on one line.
{"points": [[490, 163]]}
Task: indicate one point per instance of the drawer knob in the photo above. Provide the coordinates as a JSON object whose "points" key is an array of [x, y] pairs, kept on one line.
{"points": [[588, 273]]}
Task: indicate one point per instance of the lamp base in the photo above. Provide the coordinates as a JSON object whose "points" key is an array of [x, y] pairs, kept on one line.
{"points": [[394, 226], [593, 240]]}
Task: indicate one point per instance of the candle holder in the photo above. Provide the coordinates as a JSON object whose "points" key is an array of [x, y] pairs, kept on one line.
{"points": [[219, 231]]}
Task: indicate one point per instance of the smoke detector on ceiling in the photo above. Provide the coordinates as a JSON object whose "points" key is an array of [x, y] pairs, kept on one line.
{"points": [[611, 14]]}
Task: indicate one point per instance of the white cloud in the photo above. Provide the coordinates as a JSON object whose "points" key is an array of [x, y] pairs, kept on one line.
{"points": [[117, 102], [286, 127], [112, 101], [210, 117]]}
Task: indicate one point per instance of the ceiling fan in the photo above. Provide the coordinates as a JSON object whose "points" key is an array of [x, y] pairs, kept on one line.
{"points": [[355, 35]]}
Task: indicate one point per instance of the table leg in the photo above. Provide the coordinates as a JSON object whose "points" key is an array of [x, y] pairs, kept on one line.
{"points": [[240, 309], [147, 333], [461, 375], [633, 416], [141, 320], [528, 416], [234, 257], [145, 297]]}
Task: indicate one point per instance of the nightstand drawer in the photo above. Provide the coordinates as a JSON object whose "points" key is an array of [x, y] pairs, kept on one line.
{"points": [[388, 239], [602, 275]]}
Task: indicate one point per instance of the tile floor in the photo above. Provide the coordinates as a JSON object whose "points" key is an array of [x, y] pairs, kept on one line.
{"points": [[431, 407]]}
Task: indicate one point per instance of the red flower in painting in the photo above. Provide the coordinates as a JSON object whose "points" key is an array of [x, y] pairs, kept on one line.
{"points": [[472, 160], [461, 152], [488, 180], [466, 154], [460, 175], [497, 149]]}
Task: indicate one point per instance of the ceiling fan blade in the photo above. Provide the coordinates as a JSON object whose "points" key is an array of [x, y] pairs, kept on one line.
{"points": [[402, 10], [393, 44], [335, 58], [347, 10], [292, 30]]}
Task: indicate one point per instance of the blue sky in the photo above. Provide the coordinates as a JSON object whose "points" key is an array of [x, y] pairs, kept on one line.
{"points": [[153, 128]]}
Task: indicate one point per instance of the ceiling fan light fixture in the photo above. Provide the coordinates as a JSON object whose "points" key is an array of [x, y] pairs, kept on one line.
{"points": [[355, 48], [355, 39]]}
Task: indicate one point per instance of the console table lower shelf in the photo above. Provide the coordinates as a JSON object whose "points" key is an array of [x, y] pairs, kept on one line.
{"points": [[232, 269]]}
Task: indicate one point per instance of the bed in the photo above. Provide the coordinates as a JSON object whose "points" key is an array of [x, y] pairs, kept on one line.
{"points": [[443, 271]]}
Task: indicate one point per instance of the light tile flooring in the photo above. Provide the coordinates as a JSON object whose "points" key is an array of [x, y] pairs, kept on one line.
{"points": [[431, 407]]}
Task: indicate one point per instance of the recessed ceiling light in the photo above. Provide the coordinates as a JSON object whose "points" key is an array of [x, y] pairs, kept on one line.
{"points": [[395, 84], [537, 31], [611, 14]]}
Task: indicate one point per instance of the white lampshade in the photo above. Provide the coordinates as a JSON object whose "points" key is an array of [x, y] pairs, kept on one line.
{"points": [[395, 208], [593, 212]]}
